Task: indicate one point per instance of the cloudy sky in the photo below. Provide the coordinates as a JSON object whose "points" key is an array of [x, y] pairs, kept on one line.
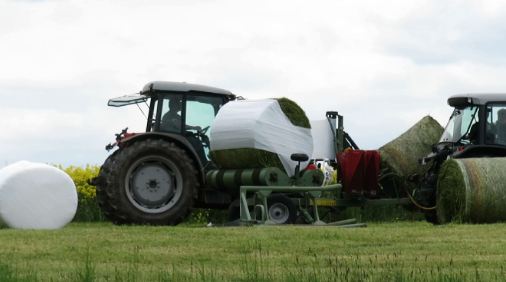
{"points": [[382, 64]]}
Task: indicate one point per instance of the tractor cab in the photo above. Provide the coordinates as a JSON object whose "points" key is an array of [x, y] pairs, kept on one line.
{"points": [[180, 109], [477, 126]]}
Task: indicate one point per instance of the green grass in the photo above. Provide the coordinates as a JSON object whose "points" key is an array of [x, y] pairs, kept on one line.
{"points": [[381, 252]]}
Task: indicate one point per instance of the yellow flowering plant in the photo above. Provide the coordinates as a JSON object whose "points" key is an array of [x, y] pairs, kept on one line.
{"points": [[88, 209]]}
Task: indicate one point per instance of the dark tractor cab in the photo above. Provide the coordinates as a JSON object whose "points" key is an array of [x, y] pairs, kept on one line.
{"points": [[180, 110], [476, 129]]}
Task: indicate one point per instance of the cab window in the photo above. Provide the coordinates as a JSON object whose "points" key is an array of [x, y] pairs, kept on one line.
{"points": [[496, 124], [170, 113], [200, 112]]}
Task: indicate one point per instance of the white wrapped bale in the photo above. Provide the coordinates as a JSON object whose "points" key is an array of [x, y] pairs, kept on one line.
{"points": [[246, 132], [36, 196]]}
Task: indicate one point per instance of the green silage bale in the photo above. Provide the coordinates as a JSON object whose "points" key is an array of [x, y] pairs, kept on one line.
{"points": [[293, 112], [245, 158], [401, 155], [241, 158], [472, 190]]}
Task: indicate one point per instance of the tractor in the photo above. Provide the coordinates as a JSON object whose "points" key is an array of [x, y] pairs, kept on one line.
{"points": [[156, 177], [476, 128]]}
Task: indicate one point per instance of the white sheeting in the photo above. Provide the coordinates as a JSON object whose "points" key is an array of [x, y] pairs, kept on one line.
{"points": [[323, 140], [36, 196], [260, 124]]}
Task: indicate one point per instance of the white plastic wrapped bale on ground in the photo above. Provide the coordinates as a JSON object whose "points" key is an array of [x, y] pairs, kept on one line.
{"points": [[36, 196], [247, 133]]}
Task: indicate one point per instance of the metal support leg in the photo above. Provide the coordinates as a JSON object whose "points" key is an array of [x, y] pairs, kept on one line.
{"points": [[263, 193], [244, 209], [316, 215]]}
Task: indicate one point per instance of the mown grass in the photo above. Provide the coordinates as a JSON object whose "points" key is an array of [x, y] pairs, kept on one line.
{"points": [[381, 252]]}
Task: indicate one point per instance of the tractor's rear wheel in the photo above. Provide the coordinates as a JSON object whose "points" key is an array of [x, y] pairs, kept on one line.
{"points": [[149, 182], [103, 198]]}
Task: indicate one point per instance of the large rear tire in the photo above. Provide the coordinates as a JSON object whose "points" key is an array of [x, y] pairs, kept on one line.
{"points": [[149, 182], [103, 198]]}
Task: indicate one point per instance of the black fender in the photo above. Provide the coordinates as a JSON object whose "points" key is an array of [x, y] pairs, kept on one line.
{"points": [[170, 137]]}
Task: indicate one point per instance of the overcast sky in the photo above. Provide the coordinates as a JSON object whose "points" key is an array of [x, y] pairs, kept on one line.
{"points": [[382, 64]]}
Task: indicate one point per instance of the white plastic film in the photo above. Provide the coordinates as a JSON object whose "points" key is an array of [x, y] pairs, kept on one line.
{"points": [[323, 140], [260, 124], [36, 196]]}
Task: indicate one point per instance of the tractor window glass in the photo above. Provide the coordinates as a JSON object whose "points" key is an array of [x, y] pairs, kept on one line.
{"points": [[170, 113], [462, 126], [200, 113], [470, 125], [496, 124]]}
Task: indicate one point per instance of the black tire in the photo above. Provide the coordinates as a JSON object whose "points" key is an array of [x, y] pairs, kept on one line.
{"points": [[281, 209], [149, 182], [103, 199]]}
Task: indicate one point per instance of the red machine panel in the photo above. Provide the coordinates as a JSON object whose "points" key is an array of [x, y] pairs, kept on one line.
{"points": [[360, 172]]}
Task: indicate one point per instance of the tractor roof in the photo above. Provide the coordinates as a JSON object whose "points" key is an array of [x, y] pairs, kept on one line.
{"points": [[168, 86], [476, 99]]}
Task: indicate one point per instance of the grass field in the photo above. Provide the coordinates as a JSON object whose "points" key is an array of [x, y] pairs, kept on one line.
{"points": [[404, 251]]}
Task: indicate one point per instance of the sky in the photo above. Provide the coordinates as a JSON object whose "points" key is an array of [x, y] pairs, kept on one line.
{"points": [[383, 65]]}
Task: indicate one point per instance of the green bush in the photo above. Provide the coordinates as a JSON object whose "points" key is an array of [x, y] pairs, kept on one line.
{"points": [[87, 209]]}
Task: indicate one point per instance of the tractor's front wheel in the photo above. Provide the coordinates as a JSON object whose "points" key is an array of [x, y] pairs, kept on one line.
{"points": [[150, 182]]}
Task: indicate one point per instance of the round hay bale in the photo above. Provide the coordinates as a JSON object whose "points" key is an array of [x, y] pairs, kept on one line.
{"points": [[293, 112], [245, 158], [36, 196], [472, 190], [259, 134], [401, 155]]}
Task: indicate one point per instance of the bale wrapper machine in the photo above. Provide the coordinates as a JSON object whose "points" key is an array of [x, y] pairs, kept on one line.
{"points": [[298, 198], [158, 176]]}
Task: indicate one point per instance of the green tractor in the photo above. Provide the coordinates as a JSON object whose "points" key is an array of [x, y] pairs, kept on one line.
{"points": [[156, 177]]}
